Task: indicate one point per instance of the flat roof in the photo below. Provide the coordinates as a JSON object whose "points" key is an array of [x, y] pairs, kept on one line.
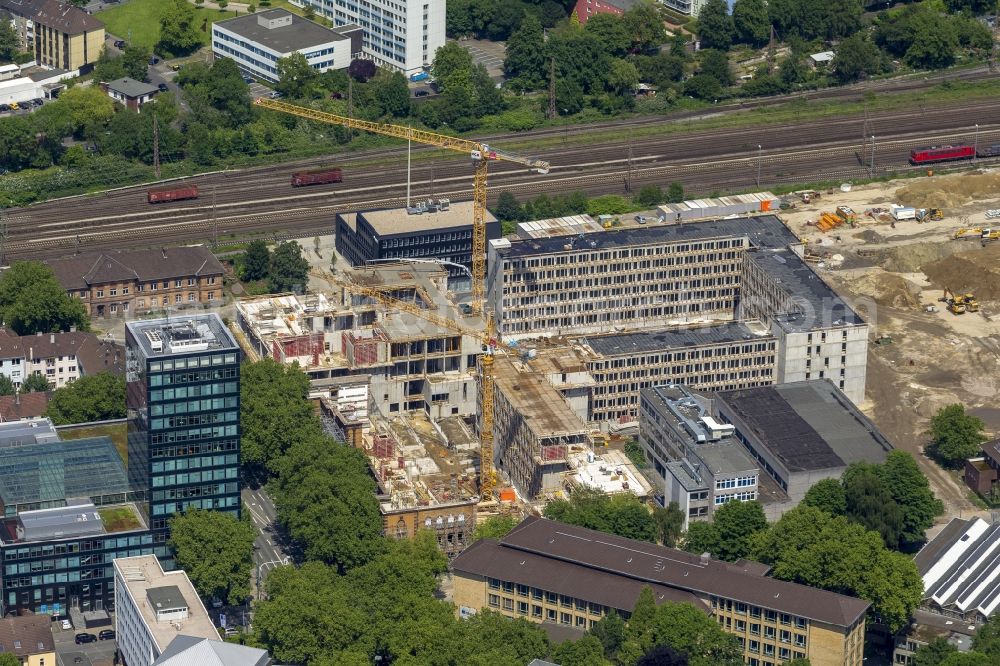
{"points": [[726, 456], [182, 335], [396, 221], [538, 402], [166, 598], [55, 471], [298, 35], [32, 431], [765, 231], [65, 521], [672, 338], [808, 425], [143, 573]]}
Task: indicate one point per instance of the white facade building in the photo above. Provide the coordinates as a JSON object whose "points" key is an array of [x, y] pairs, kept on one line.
{"points": [[257, 41], [398, 34]]}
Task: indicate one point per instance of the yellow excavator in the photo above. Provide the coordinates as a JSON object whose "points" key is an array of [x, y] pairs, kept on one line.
{"points": [[955, 302], [970, 231]]}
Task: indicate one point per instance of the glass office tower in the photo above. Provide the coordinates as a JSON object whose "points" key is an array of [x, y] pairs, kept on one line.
{"points": [[183, 379]]}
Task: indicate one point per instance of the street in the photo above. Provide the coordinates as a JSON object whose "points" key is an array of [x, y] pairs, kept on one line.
{"points": [[268, 551]]}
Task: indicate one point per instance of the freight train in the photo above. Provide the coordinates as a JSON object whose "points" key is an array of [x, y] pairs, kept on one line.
{"points": [[172, 194], [934, 154], [318, 177]]}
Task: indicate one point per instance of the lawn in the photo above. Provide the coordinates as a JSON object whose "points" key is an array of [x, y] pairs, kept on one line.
{"points": [[119, 518], [138, 21], [118, 432]]}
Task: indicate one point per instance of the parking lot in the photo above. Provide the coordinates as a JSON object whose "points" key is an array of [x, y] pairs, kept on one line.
{"points": [[68, 653], [490, 54]]}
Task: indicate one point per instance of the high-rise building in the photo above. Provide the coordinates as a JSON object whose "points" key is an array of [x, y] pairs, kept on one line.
{"points": [[183, 380], [398, 34]]}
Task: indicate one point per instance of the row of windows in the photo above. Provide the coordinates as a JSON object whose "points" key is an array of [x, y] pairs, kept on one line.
{"points": [[182, 393], [192, 362], [185, 479], [740, 482], [160, 466], [548, 597], [207, 504], [193, 449], [633, 252], [756, 612], [746, 496], [193, 434], [169, 408], [428, 239], [539, 613], [85, 545], [194, 419]]}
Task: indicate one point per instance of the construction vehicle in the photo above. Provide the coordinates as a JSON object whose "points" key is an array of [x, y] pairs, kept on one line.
{"points": [[990, 235], [971, 304], [883, 340], [482, 154], [956, 303], [966, 232], [935, 214]]}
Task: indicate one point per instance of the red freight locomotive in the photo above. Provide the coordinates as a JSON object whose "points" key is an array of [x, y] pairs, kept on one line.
{"points": [[941, 154]]}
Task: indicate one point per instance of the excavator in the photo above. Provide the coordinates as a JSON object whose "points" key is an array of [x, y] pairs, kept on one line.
{"points": [[955, 302], [970, 231]]}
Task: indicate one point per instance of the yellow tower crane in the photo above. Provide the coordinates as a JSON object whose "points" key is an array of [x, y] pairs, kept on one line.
{"points": [[491, 343], [481, 154]]}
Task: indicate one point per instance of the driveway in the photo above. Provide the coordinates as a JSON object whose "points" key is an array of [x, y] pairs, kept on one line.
{"points": [[490, 54], [67, 651]]}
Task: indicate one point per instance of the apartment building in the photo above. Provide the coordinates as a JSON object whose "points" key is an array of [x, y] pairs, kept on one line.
{"points": [[656, 277], [59, 357], [544, 571], [443, 232], [61, 35], [397, 34], [701, 463], [410, 363], [29, 638], [257, 41], [183, 395], [584, 9], [138, 282]]}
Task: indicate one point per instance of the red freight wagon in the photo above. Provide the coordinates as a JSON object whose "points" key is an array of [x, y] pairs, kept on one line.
{"points": [[172, 194], [318, 177], [941, 154]]}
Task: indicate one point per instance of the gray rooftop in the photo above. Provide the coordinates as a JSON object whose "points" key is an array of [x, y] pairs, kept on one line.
{"points": [[392, 221], [66, 521], [725, 457], [131, 87], [682, 473], [297, 35], [186, 650], [668, 339], [765, 231], [809, 425], [166, 599], [961, 567], [19, 433], [182, 335]]}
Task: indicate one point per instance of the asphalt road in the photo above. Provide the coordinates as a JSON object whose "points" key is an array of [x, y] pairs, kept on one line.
{"points": [[268, 548]]}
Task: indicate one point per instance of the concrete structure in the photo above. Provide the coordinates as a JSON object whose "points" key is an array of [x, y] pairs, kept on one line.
{"points": [[702, 464], [800, 433], [397, 34], [137, 282], [960, 572], [407, 362], [29, 638], [59, 357], [546, 571], [133, 94], [926, 627], [183, 394], [21, 89], [60, 34], [257, 41], [153, 608], [660, 276], [443, 233]]}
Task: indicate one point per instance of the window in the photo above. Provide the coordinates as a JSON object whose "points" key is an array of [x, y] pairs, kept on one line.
{"points": [[190, 281], [522, 590], [124, 291], [100, 293], [754, 646], [550, 615], [769, 633], [508, 604], [494, 584], [755, 629], [191, 298], [536, 593], [800, 640], [785, 636], [177, 283], [565, 618], [536, 611], [211, 295], [494, 601], [177, 298], [581, 622], [770, 616], [522, 607]]}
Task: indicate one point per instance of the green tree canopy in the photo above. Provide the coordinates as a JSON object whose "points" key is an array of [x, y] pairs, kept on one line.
{"points": [[934, 653], [89, 398], [857, 57], [987, 639], [274, 412], [35, 383], [827, 495], [955, 435], [9, 42], [586, 651], [494, 527], [753, 26], [9, 659], [32, 301], [256, 260], [524, 59], [869, 503], [215, 548], [715, 63], [296, 77], [611, 31], [669, 524], [135, 61], [644, 23], [623, 515], [6, 385], [715, 26], [391, 94], [728, 536], [289, 269], [178, 33]]}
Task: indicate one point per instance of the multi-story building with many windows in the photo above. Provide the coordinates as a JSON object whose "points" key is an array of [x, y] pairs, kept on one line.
{"points": [[183, 383], [398, 34], [548, 571]]}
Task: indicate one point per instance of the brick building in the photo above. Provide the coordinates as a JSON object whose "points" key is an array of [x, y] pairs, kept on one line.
{"points": [[139, 281]]}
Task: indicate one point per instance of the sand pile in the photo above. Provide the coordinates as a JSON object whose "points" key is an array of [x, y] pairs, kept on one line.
{"points": [[888, 289], [910, 258], [950, 191], [976, 270]]}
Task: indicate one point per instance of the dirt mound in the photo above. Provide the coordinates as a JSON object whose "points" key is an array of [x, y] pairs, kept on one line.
{"points": [[910, 258], [975, 270], [888, 289], [950, 191], [870, 236]]}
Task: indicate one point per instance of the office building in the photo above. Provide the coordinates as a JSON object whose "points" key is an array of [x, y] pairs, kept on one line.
{"points": [[544, 571], [257, 41], [59, 357], [654, 277], [444, 233], [397, 34], [702, 464], [60, 35], [183, 396], [161, 621], [138, 282]]}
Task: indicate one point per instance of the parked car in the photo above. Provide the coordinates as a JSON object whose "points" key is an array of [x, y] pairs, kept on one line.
{"points": [[162, 87], [4, 107], [275, 94], [247, 79], [67, 625], [421, 93], [154, 60], [38, 101], [106, 635], [119, 43], [14, 106], [85, 638]]}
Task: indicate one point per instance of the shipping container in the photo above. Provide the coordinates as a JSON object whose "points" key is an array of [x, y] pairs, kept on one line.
{"points": [[318, 177], [903, 213], [172, 194]]}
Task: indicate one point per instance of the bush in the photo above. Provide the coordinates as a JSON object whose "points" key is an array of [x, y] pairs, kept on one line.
{"points": [[519, 120], [609, 204]]}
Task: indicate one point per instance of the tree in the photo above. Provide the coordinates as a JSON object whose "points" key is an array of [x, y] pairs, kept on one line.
{"points": [[987, 639], [32, 301], [508, 209], [644, 23], [108, 67], [753, 26], [391, 94], [827, 495], [955, 435], [289, 269], [580, 59], [623, 77], [934, 653], [716, 64], [178, 34], [675, 193], [703, 86], [934, 46], [35, 383], [585, 651], [715, 25], [870, 503], [611, 31], [728, 536], [855, 58], [662, 655], [494, 527], [701, 537], [524, 58], [669, 524], [9, 42], [623, 515], [135, 61], [256, 261], [90, 398], [451, 60], [9, 659], [912, 492], [296, 76], [610, 630], [6, 385], [215, 548], [968, 659], [361, 70], [274, 412]]}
